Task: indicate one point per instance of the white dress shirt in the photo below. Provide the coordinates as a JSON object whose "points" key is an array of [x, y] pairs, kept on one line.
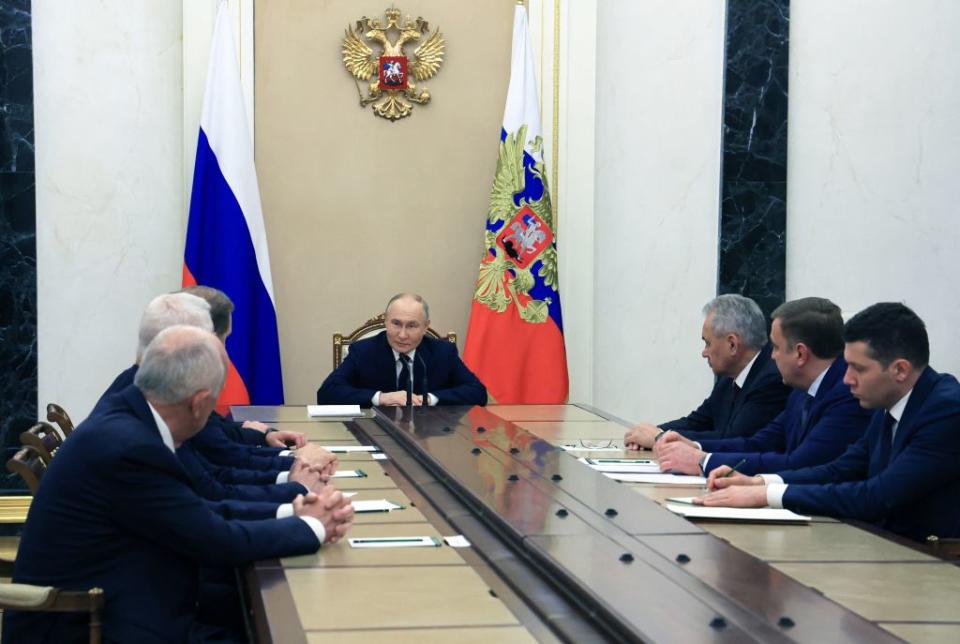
{"points": [[431, 399]]}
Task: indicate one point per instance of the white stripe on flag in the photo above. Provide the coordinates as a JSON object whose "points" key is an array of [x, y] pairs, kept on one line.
{"points": [[224, 121]]}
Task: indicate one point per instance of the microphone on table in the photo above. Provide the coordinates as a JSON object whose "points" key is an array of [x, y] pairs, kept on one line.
{"points": [[426, 400], [409, 365]]}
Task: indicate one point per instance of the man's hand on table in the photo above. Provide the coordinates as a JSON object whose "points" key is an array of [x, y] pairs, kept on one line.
{"points": [[736, 496], [672, 437], [285, 440], [330, 507], [679, 458], [315, 455], [399, 399], [719, 479], [255, 424], [641, 436]]}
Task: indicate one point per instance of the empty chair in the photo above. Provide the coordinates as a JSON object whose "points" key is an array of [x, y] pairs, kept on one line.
{"points": [[56, 414], [43, 438], [29, 466]]}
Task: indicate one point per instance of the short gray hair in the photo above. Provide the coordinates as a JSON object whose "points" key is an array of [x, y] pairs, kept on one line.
{"points": [[179, 362], [737, 314], [170, 309], [412, 296]]}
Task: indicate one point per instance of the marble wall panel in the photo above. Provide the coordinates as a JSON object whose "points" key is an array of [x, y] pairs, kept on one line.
{"points": [[18, 256], [752, 258]]}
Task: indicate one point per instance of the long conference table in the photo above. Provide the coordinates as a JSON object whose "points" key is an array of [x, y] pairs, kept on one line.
{"points": [[560, 552]]}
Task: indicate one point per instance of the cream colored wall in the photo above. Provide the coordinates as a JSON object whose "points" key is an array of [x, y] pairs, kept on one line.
{"points": [[357, 207]]}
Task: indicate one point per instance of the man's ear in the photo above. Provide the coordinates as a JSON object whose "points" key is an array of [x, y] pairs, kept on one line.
{"points": [[901, 369], [197, 402], [802, 352]]}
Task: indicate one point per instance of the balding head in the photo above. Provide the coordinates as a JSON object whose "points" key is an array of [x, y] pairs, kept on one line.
{"points": [[168, 310], [181, 362]]}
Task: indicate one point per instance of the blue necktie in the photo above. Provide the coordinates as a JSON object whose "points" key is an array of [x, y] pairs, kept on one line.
{"points": [[886, 440], [805, 414]]}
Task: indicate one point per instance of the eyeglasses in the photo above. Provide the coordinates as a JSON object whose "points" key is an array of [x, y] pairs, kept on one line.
{"points": [[593, 445]]}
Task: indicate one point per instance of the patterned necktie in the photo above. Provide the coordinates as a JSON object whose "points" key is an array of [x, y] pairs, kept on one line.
{"points": [[403, 380], [886, 440]]}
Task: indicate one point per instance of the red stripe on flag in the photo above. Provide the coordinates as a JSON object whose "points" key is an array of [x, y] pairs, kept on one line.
{"points": [[234, 390], [493, 353]]}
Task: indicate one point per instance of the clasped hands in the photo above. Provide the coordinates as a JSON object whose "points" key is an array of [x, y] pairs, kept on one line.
{"points": [[277, 438], [312, 466], [329, 506], [399, 399]]}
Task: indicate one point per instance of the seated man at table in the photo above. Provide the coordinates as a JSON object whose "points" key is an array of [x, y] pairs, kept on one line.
{"points": [[821, 418], [904, 473], [115, 509], [748, 392], [378, 370]]}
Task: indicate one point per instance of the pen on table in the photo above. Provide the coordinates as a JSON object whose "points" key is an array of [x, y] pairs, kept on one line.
{"points": [[734, 468]]}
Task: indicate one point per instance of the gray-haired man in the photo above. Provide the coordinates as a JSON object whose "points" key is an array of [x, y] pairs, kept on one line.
{"points": [[748, 392]]}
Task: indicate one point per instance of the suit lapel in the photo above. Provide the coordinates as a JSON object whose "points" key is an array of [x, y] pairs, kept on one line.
{"points": [[386, 365], [907, 423]]}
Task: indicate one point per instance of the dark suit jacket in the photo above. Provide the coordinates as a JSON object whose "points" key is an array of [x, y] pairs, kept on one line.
{"points": [[721, 416], [209, 487], [370, 367], [213, 441], [917, 494], [115, 509], [835, 421]]}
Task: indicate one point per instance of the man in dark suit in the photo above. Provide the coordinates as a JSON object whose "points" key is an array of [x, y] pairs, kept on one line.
{"points": [[116, 510], [821, 418], [748, 392], [378, 370], [904, 473]]}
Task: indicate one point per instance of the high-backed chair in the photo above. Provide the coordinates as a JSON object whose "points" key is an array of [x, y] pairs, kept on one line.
{"points": [[29, 466], [44, 439], [341, 342], [27, 597], [56, 414]]}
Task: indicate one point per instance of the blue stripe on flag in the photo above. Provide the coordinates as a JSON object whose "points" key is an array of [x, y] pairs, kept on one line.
{"points": [[220, 253]]}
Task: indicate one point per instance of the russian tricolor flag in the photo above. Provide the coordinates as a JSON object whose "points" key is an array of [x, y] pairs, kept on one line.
{"points": [[226, 245]]}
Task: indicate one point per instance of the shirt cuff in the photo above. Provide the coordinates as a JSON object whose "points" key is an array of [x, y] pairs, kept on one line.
{"points": [[775, 493], [376, 399], [770, 479], [285, 510], [432, 400], [317, 528], [285, 452], [706, 463], [283, 477]]}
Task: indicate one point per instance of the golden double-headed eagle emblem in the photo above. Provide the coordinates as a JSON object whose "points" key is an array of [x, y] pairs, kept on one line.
{"points": [[392, 72]]}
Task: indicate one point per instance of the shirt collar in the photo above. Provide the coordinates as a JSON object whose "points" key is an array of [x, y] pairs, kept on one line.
{"points": [[165, 434], [897, 410], [815, 387], [409, 354], [742, 376]]}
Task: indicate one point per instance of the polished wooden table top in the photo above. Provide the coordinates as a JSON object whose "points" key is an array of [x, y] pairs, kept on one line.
{"points": [[507, 460]]}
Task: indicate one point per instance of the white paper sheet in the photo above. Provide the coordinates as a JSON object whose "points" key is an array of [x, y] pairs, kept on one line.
{"points": [[394, 542], [349, 474], [737, 514], [660, 479], [322, 411], [457, 541], [574, 447], [346, 449], [378, 456], [376, 505]]}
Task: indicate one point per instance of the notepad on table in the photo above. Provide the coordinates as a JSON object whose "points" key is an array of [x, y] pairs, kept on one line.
{"points": [[737, 514], [661, 479], [349, 474], [321, 411], [635, 466], [394, 542], [377, 505]]}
